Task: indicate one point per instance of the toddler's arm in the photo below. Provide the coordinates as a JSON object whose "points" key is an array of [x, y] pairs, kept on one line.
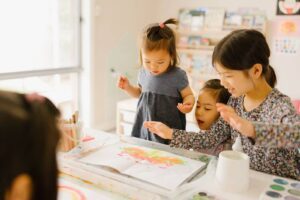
{"points": [[188, 100], [124, 84]]}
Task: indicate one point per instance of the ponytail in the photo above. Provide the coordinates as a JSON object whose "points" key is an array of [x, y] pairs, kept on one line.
{"points": [[171, 21], [159, 36], [270, 76]]}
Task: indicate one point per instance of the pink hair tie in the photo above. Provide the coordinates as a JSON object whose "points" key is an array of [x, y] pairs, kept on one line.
{"points": [[34, 97], [161, 25]]}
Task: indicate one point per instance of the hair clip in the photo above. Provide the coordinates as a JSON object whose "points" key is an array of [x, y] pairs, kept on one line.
{"points": [[34, 97], [161, 25]]}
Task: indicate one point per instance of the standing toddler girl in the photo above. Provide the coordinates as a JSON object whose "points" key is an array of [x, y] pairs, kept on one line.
{"points": [[163, 89]]}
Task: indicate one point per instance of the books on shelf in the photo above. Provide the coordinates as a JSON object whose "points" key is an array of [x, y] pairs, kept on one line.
{"points": [[153, 166], [214, 18], [218, 19], [200, 29]]}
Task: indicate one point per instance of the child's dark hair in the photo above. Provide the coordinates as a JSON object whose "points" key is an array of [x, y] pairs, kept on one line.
{"points": [[219, 91], [242, 49], [159, 36], [28, 140]]}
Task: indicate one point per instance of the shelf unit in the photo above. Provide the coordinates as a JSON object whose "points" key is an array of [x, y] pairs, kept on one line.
{"points": [[201, 29]]}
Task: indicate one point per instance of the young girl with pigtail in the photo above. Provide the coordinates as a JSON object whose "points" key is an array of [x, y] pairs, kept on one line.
{"points": [[163, 88]]}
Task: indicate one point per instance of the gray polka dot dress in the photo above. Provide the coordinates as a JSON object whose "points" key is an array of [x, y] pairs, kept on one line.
{"points": [[158, 101]]}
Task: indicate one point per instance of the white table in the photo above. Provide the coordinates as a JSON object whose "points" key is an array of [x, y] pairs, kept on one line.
{"points": [[131, 190]]}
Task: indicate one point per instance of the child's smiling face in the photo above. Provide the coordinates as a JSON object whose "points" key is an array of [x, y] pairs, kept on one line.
{"points": [[157, 61], [206, 111], [235, 81]]}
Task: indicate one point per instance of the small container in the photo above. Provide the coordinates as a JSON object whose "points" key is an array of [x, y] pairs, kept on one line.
{"points": [[70, 136]]}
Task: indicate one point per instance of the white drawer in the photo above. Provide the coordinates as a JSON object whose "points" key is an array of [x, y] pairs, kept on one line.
{"points": [[126, 128], [127, 116]]}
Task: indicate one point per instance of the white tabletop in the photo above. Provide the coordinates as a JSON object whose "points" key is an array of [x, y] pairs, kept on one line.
{"points": [[259, 182]]}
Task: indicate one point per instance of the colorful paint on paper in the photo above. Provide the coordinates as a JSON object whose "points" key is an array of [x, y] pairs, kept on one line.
{"points": [[152, 156]]}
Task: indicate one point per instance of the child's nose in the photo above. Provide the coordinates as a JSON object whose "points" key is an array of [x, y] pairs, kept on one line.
{"points": [[200, 111], [153, 66], [223, 82]]}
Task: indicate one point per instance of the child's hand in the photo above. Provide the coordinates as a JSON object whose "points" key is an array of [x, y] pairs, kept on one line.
{"points": [[185, 107], [159, 129], [123, 83], [242, 125]]}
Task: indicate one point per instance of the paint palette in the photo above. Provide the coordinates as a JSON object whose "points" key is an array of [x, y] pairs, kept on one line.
{"points": [[204, 196], [282, 189]]}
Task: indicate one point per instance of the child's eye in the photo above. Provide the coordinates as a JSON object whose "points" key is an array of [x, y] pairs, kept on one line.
{"points": [[160, 63], [207, 109]]}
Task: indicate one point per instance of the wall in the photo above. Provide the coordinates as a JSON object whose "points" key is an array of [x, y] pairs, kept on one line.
{"points": [[117, 25], [116, 28]]}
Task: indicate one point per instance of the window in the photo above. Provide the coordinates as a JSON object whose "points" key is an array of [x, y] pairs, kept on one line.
{"points": [[40, 49]]}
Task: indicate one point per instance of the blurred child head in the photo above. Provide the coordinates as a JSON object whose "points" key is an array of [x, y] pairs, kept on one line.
{"points": [[28, 141], [211, 93], [242, 58], [158, 47]]}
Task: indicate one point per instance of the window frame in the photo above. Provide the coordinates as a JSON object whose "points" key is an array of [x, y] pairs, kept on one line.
{"points": [[58, 70]]}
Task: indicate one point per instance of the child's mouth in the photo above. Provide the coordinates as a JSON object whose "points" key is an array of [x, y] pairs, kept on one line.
{"points": [[200, 121]]}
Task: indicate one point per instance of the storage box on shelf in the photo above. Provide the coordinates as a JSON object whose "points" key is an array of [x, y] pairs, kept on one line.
{"points": [[201, 29], [126, 110]]}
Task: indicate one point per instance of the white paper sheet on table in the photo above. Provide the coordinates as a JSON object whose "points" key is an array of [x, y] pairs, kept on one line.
{"points": [[157, 167]]}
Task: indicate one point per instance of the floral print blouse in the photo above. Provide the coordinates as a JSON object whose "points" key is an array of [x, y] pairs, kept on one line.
{"points": [[276, 108], [280, 135]]}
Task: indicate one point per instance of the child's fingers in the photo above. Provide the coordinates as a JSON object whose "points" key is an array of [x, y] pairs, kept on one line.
{"points": [[226, 116], [187, 104], [120, 82], [149, 124], [220, 104], [224, 108], [179, 106]]}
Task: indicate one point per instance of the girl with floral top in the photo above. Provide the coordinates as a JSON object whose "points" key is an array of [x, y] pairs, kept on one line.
{"points": [[242, 61]]}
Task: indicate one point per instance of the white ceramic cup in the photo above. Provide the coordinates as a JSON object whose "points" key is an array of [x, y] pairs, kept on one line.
{"points": [[232, 173]]}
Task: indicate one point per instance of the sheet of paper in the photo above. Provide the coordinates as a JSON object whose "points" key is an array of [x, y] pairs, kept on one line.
{"points": [[109, 156], [154, 166]]}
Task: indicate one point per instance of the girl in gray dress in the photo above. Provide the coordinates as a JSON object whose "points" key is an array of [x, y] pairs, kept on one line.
{"points": [[242, 61], [163, 89]]}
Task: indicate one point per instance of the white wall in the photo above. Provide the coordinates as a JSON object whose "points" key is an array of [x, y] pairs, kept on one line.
{"points": [[117, 24]]}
